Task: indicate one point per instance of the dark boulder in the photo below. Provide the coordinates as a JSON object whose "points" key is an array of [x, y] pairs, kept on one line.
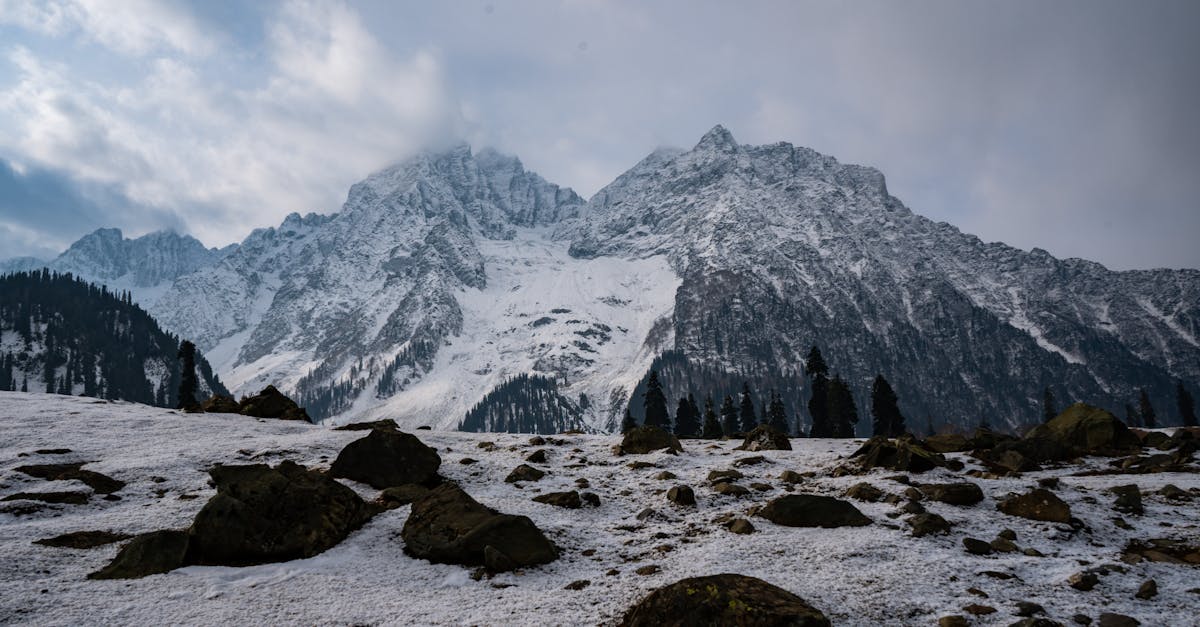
{"points": [[148, 554], [387, 424], [83, 539], [765, 438], [865, 492], [1129, 499], [962, 493], [947, 443], [220, 404], [271, 403], [681, 495], [101, 484], [56, 498], [524, 472], [926, 523], [262, 514], [384, 459], [723, 600], [569, 500], [647, 439], [448, 526], [809, 510], [902, 455], [1088, 429], [1039, 504]]}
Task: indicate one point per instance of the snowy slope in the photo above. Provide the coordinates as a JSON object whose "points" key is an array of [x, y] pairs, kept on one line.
{"points": [[871, 575]]}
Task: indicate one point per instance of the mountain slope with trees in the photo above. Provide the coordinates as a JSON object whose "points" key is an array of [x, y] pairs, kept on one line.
{"points": [[62, 335]]}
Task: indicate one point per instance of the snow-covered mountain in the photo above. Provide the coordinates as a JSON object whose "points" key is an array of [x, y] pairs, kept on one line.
{"points": [[452, 274], [144, 265]]}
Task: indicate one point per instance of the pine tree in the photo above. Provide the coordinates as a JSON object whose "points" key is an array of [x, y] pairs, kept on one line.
{"points": [[1049, 406], [818, 404], [628, 423], [1149, 420], [654, 404], [748, 418], [729, 416], [187, 378], [712, 427], [843, 414], [1187, 406], [777, 414], [693, 407], [885, 410], [687, 424]]}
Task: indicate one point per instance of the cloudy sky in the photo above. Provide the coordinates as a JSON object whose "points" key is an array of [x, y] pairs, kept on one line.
{"points": [[1069, 126]]}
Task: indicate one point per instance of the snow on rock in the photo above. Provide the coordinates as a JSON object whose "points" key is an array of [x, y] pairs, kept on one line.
{"points": [[872, 575]]}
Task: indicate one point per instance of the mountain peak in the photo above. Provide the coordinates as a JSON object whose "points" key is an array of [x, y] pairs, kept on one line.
{"points": [[717, 138]]}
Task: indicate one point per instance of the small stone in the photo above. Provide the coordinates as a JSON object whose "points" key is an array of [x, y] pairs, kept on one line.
{"points": [[730, 489], [724, 476], [665, 475], [963, 493], [1029, 608], [1108, 619], [1084, 581], [537, 440], [582, 483], [1007, 534], [1148, 590], [977, 547], [1082, 619], [537, 457], [864, 492], [682, 495], [977, 592], [953, 621], [1129, 499], [791, 476], [976, 609], [648, 569], [568, 500], [926, 523], [1031, 552], [577, 585], [524, 473], [912, 507], [467, 461], [760, 487], [1173, 493], [1000, 545], [591, 498], [639, 465], [741, 526], [750, 461], [1050, 483]]}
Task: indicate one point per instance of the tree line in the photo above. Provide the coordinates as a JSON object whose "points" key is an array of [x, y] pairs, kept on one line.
{"points": [[832, 409]]}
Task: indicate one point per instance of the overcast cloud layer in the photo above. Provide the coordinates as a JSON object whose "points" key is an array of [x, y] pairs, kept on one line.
{"points": [[1070, 126]]}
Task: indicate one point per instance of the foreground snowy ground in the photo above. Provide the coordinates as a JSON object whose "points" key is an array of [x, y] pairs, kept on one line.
{"points": [[874, 575]]}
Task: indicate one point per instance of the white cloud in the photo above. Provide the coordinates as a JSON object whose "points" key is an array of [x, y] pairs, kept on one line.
{"points": [[331, 107], [136, 27]]}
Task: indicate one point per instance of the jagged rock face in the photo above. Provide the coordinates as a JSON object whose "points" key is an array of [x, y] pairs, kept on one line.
{"points": [[357, 305], [780, 248], [106, 256]]}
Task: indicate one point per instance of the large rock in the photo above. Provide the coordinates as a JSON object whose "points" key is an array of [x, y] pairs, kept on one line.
{"points": [[723, 600], [1088, 429], [765, 438], [148, 554], [448, 526], [647, 439], [1026, 455], [1039, 504], [384, 459], [271, 403], [901, 455], [262, 514], [809, 510]]}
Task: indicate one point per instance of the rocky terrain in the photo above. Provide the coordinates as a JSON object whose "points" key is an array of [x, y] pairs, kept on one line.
{"points": [[115, 512]]}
